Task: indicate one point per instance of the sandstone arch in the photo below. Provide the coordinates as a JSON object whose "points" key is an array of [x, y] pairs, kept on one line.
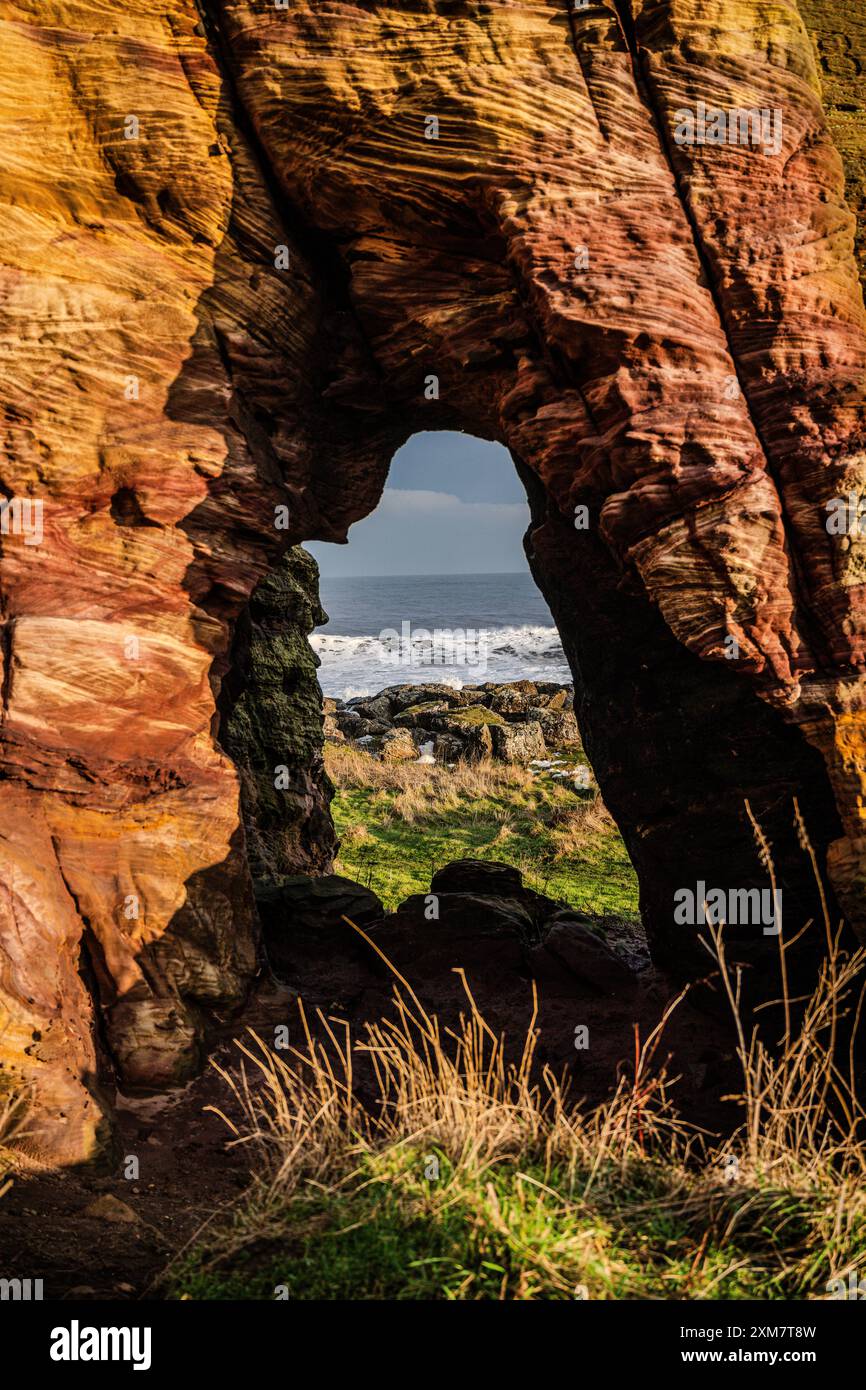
{"points": [[697, 382]]}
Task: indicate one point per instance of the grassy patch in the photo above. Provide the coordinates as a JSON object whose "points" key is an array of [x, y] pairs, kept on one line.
{"points": [[399, 824], [645, 1229], [468, 1179]]}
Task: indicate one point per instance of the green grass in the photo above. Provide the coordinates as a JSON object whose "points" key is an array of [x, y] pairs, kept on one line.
{"points": [[565, 846], [646, 1229], [467, 1176]]}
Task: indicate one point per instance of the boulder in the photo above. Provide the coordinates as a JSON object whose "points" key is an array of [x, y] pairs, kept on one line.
{"points": [[518, 743], [574, 943], [368, 728], [402, 696], [447, 748], [478, 743], [487, 877], [555, 696], [303, 916], [460, 935], [490, 881], [471, 695], [471, 905], [522, 687], [398, 746], [558, 726], [415, 716], [512, 700], [461, 721], [377, 707]]}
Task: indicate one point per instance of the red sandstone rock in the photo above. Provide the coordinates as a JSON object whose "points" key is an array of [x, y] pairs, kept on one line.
{"points": [[670, 336]]}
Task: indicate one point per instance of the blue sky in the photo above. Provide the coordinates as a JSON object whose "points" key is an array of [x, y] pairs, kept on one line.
{"points": [[453, 504]]}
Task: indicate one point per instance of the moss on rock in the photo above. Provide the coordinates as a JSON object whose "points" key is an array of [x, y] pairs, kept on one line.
{"points": [[273, 727], [474, 715]]}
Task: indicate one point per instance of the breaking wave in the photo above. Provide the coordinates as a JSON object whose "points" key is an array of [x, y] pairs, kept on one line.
{"points": [[363, 665]]}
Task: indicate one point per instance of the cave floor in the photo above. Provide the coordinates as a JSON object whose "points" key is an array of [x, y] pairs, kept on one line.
{"points": [[64, 1227], [91, 1233]]}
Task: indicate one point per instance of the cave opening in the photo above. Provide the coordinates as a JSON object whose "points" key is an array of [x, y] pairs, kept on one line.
{"points": [[465, 622], [429, 653], [436, 793], [440, 658]]}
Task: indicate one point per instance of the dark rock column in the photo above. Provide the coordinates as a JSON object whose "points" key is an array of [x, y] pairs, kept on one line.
{"points": [[679, 747], [272, 729]]}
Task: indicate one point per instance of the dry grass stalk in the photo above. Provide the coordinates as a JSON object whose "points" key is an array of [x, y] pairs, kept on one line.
{"points": [[788, 1214]]}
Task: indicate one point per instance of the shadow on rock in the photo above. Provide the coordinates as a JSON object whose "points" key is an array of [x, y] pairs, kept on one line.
{"points": [[479, 928]]}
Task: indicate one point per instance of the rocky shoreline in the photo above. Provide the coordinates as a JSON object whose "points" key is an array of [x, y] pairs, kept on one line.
{"points": [[518, 721]]}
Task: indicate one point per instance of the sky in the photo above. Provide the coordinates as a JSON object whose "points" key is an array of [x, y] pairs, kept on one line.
{"points": [[453, 504]]}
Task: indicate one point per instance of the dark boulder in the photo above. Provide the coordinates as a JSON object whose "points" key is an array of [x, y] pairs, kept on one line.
{"points": [[404, 696], [483, 935], [573, 943], [480, 915], [376, 707], [501, 885], [447, 748], [302, 919], [487, 877], [418, 716]]}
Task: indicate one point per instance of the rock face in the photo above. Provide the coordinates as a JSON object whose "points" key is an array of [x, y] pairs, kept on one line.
{"points": [[246, 252], [273, 724]]}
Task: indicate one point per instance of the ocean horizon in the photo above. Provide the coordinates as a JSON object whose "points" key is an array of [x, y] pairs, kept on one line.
{"points": [[507, 632]]}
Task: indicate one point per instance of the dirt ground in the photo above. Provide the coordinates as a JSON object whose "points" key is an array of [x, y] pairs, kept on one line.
{"points": [[187, 1173]]}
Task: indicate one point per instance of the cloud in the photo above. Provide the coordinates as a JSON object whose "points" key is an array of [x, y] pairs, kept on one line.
{"points": [[474, 470], [415, 532]]}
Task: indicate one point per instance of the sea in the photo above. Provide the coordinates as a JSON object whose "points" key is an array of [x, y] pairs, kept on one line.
{"points": [[453, 629]]}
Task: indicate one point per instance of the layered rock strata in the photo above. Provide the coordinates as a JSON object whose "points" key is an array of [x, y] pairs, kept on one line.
{"points": [[247, 250]]}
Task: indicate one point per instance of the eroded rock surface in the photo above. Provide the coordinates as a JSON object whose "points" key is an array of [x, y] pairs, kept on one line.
{"points": [[232, 262], [272, 728]]}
